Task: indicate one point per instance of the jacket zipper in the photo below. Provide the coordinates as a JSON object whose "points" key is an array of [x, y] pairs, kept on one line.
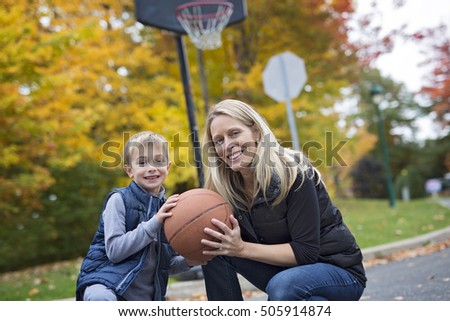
{"points": [[143, 256]]}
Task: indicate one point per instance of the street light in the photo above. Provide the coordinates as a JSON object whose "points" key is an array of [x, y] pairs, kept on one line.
{"points": [[376, 93]]}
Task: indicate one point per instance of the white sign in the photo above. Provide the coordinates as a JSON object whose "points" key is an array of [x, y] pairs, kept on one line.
{"points": [[433, 185], [284, 76]]}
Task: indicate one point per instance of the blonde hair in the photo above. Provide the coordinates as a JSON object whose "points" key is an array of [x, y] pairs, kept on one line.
{"points": [[142, 139], [271, 159]]}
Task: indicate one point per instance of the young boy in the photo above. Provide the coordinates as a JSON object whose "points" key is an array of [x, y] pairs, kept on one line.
{"points": [[129, 257]]}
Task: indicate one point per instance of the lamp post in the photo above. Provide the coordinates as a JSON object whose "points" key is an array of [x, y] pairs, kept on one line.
{"points": [[376, 93]]}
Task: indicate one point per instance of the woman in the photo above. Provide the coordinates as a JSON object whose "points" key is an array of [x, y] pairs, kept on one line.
{"points": [[287, 237]]}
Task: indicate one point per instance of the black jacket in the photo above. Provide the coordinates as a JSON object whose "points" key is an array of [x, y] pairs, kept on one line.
{"points": [[307, 220]]}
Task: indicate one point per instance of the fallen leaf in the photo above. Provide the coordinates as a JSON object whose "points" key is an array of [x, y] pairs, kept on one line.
{"points": [[33, 291]]}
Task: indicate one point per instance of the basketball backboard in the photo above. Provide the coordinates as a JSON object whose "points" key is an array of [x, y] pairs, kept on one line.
{"points": [[161, 13]]}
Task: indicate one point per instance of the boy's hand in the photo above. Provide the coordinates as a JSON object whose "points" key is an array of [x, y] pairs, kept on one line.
{"points": [[165, 210]]}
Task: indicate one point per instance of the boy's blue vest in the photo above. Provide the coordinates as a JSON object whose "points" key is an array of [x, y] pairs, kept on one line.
{"points": [[98, 269]]}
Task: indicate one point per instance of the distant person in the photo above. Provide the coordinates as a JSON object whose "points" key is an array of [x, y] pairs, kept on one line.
{"points": [[287, 237], [129, 258]]}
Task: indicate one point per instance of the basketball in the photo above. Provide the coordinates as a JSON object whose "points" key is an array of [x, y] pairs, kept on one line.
{"points": [[194, 210]]}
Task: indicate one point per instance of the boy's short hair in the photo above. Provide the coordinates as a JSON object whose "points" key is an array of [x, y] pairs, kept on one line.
{"points": [[141, 140]]}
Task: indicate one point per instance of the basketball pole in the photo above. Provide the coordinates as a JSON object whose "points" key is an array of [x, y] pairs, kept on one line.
{"points": [[181, 49], [201, 67]]}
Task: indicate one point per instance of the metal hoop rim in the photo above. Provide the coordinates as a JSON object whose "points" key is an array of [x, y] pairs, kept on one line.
{"points": [[229, 6], [198, 3]]}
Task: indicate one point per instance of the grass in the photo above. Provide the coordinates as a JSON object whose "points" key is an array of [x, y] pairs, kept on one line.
{"points": [[41, 283], [372, 222]]}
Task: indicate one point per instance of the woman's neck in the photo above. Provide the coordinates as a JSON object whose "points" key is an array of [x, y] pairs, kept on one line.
{"points": [[249, 183]]}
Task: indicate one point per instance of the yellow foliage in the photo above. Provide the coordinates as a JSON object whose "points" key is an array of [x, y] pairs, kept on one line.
{"points": [[9, 156], [75, 75]]}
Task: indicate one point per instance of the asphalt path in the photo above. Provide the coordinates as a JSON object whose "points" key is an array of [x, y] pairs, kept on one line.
{"points": [[421, 278]]}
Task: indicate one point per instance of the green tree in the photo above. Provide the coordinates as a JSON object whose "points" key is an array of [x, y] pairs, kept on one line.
{"points": [[369, 178], [399, 111]]}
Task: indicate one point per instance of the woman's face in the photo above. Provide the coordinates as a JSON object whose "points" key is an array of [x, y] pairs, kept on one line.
{"points": [[234, 142]]}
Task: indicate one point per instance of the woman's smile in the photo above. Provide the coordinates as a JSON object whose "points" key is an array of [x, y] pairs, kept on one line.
{"points": [[234, 142]]}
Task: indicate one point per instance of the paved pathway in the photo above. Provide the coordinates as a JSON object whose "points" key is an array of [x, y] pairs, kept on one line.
{"points": [[421, 278]]}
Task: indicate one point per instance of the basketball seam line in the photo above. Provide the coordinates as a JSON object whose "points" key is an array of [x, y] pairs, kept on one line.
{"points": [[194, 219]]}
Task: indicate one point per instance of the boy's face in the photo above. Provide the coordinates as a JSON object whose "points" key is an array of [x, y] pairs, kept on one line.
{"points": [[148, 166]]}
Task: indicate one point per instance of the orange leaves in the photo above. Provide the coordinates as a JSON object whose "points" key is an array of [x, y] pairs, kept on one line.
{"points": [[439, 87]]}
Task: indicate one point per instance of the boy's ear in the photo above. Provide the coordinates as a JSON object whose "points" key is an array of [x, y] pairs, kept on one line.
{"points": [[127, 169], [168, 165]]}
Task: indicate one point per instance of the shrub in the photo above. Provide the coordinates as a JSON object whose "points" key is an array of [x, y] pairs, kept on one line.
{"points": [[65, 225]]}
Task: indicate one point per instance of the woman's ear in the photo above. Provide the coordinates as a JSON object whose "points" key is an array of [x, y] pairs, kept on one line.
{"points": [[256, 133]]}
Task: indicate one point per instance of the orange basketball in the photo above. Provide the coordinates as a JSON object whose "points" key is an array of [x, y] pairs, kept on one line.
{"points": [[194, 211]]}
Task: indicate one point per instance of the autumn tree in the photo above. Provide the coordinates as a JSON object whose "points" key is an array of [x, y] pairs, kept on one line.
{"points": [[78, 77], [76, 80], [439, 88], [313, 30], [439, 92]]}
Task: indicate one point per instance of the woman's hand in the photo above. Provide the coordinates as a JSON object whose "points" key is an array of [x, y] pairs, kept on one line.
{"points": [[165, 210], [229, 241]]}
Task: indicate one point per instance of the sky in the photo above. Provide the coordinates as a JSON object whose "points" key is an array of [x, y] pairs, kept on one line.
{"points": [[402, 64]]}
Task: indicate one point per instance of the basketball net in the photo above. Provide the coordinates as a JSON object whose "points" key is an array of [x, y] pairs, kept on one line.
{"points": [[204, 22]]}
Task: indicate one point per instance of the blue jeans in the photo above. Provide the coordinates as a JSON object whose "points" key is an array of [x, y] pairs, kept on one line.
{"points": [[313, 282]]}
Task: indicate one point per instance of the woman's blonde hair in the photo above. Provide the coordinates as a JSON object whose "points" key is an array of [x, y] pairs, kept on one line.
{"points": [[271, 160]]}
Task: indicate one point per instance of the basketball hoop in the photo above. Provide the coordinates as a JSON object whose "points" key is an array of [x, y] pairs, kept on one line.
{"points": [[204, 22]]}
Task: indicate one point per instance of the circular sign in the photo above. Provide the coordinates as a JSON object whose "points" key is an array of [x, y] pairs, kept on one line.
{"points": [[433, 185]]}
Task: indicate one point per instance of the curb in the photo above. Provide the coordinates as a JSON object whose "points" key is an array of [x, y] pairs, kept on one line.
{"points": [[381, 251], [195, 289]]}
